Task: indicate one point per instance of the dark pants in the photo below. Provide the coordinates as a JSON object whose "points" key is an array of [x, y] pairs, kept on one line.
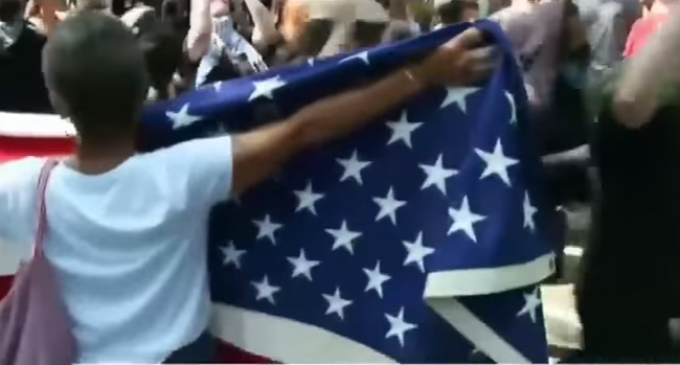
{"points": [[201, 351], [627, 338], [624, 319]]}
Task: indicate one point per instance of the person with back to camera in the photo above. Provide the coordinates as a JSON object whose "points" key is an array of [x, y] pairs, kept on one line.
{"points": [[127, 231]]}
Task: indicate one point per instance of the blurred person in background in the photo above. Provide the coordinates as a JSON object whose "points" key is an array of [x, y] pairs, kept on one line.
{"points": [[406, 19], [553, 51], [22, 87], [456, 11], [628, 286], [658, 13], [45, 15], [157, 308], [608, 23], [161, 47], [513, 8], [303, 37], [213, 42]]}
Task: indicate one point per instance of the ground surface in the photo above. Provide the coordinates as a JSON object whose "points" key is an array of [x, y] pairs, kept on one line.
{"points": [[561, 319]]}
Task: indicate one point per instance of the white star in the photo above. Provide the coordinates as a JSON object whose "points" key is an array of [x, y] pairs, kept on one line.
{"points": [[529, 211], [182, 118], [336, 304], [388, 206], [437, 175], [307, 198], [416, 252], [458, 95], [398, 327], [310, 61], [217, 86], [496, 162], [376, 279], [267, 228], [464, 219], [363, 55], [265, 290], [266, 88], [353, 167], [531, 302], [402, 129], [302, 266], [344, 237], [513, 107], [232, 255]]}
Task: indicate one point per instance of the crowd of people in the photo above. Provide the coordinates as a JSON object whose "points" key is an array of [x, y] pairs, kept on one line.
{"points": [[603, 91]]}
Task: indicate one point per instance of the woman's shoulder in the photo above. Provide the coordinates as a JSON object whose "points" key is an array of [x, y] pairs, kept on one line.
{"points": [[19, 177]]}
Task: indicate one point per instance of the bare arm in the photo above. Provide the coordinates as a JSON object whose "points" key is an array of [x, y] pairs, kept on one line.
{"points": [[398, 10], [636, 98], [200, 30], [262, 152], [264, 30]]}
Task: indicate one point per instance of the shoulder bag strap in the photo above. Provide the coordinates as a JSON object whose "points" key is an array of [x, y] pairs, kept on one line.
{"points": [[42, 212]]}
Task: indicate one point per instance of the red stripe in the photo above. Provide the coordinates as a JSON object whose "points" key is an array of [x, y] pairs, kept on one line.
{"points": [[12, 148], [5, 283], [230, 354]]}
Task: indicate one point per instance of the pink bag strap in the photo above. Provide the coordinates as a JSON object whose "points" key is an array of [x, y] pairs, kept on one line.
{"points": [[41, 232]]}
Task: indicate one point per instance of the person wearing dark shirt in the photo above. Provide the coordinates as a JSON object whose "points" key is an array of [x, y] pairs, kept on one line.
{"points": [[161, 47], [22, 87], [627, 291], [629, 285], [456, 11]]}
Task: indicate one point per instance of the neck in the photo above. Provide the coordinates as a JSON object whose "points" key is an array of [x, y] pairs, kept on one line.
{"points": [[94, 158]]}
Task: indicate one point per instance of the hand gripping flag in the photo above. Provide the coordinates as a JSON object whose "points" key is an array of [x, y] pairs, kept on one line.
{"points": [[417, 240]]}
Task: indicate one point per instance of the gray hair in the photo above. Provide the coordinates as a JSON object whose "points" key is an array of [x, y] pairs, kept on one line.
{"points": [[96, 75]]}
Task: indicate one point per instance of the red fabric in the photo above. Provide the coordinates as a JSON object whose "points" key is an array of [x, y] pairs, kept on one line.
{"points": [[12, 148], [641, 32], [230, 354], [5, 283]]}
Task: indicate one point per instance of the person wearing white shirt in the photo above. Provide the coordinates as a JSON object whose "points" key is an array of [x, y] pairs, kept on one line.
{"points": [[126, 230]]}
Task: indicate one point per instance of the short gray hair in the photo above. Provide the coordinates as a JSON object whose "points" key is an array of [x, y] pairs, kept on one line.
{"points": [[95, 72]]}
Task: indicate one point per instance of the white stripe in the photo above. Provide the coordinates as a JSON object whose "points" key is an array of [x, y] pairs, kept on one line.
{"points": [[484, 338], [453, 283], [35, 125], [574, 251], [288, 341]]}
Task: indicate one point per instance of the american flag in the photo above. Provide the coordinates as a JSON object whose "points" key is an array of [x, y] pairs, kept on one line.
{"points": [[417, 240]]}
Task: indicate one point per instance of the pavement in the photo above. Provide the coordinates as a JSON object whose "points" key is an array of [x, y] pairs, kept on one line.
{"points": [[562, 324]]}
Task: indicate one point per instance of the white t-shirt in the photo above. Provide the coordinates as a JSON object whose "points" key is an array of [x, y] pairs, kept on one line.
{"points": [[129, 246]]}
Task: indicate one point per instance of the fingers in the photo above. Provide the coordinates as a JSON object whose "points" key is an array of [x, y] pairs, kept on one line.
{"points": [[466, 59], [480, 64], [470, 38], [483, 58]]}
